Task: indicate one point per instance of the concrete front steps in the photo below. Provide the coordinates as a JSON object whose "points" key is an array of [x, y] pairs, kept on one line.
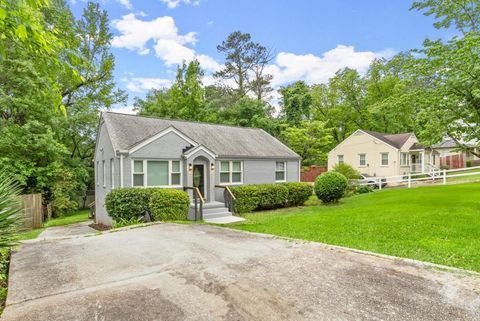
{"points": [[217, 213]]}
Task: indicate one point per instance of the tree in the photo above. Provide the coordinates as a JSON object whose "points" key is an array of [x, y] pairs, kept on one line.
{"points": [[245, 58], [311, 140], [248, 112], [447, 75], [9, 210], [185, 99], [296, 102]]}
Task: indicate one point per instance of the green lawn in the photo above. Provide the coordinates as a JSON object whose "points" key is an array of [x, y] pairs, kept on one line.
{"points": [[439, 224], [75, 217], [470, 178]]}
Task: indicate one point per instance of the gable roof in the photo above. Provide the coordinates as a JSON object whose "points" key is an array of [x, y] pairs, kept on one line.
{"points": [[126, 131], [395, 140]]}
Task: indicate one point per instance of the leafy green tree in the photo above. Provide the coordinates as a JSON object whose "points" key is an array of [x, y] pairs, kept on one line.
{"points": [[248, 112], [311, 140], [447, 74], [296, 102]]}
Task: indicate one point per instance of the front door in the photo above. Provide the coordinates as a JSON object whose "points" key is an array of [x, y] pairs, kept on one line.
{"points": [[199, 178]]}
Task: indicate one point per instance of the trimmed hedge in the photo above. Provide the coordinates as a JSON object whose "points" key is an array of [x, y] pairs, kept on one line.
{"points": [[269, 196], [169, 204], [298, 193], [124, 204], [128, 203], [330, 186]]}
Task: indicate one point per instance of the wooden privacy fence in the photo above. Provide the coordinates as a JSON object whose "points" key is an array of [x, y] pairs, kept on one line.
{"points": [[312, 172], [32, 210]]}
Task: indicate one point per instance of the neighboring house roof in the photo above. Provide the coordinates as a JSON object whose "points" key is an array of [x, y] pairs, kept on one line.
{"points": [[450, 143], [417, 146], [126, 131], [395, 140]]}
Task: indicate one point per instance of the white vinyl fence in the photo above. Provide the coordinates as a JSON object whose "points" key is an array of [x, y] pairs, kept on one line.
{"points": [[435, 176]]}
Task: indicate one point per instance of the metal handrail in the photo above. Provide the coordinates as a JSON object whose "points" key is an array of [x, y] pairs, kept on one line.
{"points": [[230, 200], [197, 196]]}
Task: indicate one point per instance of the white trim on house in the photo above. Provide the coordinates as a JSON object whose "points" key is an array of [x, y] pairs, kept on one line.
{"points": [[164, 132], [121, 170], [145, 172], [112, 173], [200, 148], [230, 171]]}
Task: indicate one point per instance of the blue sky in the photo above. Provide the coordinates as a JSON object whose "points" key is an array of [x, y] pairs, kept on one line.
{"points": [[311, 38]]}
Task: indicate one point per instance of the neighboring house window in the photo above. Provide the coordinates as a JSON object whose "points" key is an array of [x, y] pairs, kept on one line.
{"points": [[231, 172], [156, 173], [362, 159], [404, 159], [104, 174], [384, 159], [280, 171], [112, 172], [339, 159]]}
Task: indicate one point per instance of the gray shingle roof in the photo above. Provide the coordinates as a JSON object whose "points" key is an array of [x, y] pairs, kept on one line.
{"points": [[395, 140], [126, 131]]}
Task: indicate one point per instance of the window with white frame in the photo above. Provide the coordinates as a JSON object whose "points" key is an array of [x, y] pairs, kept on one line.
{"points": [[156, 173], [362, 159], [339, 159], [404, 159], [98, 173], [231, 172], [384, 159], [104, 174], [280, 171], [112, 173]]}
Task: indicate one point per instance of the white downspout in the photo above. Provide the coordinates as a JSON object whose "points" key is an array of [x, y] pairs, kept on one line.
{"points": [[121, 170]]}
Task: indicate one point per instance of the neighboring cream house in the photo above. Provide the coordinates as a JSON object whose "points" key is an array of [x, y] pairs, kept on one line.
{"points": [[378, 154]]}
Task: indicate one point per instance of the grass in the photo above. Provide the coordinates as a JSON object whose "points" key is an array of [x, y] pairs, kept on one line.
{"points": [[470, 178], [439, 224], [75, 217]]}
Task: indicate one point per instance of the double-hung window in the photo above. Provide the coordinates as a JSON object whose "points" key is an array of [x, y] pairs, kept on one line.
{"points": [[156, 173], [362, 159], [404, 159], [384, 159], [280, 171], [339, 159], [231, 172]]}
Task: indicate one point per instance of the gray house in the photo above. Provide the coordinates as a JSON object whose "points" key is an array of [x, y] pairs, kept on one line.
{"points": [[202, 158]]}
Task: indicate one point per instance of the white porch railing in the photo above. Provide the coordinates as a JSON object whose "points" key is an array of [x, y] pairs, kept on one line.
{"points": [[432, 176]]}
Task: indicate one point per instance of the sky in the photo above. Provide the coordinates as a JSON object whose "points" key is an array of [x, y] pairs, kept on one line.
{"points": [[311, 39]]}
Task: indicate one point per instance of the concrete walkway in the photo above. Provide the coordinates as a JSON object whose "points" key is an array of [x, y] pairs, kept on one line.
{"points": [[200, 272], [67, 230]]}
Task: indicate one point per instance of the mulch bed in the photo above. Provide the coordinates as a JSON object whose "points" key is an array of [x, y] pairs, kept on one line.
{"points": [[100, 227]]}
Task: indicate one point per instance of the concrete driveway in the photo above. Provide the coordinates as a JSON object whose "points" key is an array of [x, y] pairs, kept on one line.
{"points": [[199, 272]]}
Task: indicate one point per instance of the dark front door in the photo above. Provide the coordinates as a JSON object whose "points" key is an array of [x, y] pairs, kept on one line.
{"points": [[199, 178]]}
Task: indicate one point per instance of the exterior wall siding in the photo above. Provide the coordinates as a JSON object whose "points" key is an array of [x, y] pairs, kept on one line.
{"points": [[362, 143], [104, 152]]}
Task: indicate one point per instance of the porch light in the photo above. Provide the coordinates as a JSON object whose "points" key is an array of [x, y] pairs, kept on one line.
{"points": [[212, 167], [190, 167]]}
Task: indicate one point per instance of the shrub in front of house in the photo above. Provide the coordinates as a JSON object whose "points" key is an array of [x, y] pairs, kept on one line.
{"points": [[298, 193], [128, 203], [169, 204], [346, 170], [246, 198], [364, 189], [330, 186], [271, 196]]}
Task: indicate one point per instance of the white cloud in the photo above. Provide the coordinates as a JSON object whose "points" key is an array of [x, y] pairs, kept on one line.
{"points": [[125, 3], [142, 85], [124, 110], [168, 44], [175, 3], [289, 67]]}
